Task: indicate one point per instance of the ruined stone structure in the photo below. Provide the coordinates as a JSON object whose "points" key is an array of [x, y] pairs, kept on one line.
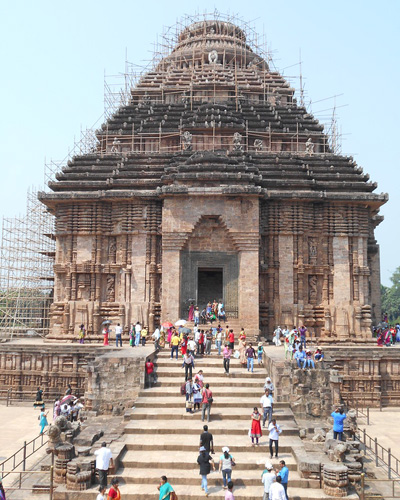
{"points": [[214, 183]]}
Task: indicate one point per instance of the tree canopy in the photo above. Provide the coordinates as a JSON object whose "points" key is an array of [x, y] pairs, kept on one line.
{"points": [[391, 298]]}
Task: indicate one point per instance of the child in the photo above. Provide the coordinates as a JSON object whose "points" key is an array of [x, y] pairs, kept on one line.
{"points": [[260, 352]]}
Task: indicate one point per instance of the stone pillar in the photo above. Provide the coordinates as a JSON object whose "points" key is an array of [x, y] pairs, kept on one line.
{"points": [[138, 283], [375, 281], [286, 279], [342, 285], [171, 285], [249, 290]]}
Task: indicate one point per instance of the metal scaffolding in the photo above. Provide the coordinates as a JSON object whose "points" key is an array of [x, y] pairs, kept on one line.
{"points": [[26, 270]]}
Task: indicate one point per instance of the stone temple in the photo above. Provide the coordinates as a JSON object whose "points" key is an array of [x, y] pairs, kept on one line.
{"points": [[214, 183]]}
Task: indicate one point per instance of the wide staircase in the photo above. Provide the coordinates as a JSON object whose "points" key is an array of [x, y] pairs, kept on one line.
{"points": [[234, 323], [162, 439]]}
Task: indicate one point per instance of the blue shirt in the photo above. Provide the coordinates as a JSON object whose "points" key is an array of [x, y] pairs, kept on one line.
{"points": [[299, 355], [284, 473], [338, 419]]}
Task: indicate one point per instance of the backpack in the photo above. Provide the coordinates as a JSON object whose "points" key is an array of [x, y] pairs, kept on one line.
{"points": [[183, 389]]}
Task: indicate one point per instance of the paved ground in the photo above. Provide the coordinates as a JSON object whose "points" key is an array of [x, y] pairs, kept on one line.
{"points": [[20, 423], [384, 426]]}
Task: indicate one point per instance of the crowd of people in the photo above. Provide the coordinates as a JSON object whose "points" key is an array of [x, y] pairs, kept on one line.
{"points": [[295, 343], [213, 311], [387, 335], [68, 406]]}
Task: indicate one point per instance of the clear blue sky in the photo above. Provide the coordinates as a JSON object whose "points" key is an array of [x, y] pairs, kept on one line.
{"points": [[54, 54]]}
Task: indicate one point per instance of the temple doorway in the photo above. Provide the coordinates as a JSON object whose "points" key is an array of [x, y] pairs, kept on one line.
{"points": [[209, 285]]}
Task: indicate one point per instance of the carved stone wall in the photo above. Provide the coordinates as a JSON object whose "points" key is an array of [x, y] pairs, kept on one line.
{"points": [[317, 268], [232, 225], [24, 368], [107, 265], [370, 375]]}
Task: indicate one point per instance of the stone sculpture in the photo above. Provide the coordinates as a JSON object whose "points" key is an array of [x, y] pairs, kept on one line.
{"points": [[213, 57], [116, 146], [187, 141], [237, 142], [309, 146]]}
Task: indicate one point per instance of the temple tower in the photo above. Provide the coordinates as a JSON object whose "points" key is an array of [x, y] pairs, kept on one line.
{"points": [[213, 183]]}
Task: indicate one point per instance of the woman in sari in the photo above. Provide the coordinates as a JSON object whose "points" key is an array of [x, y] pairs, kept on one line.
{"points": [[170, 332], [113, 492], [161, 342], [242, 352], [132, 335], [165, 489], [191, 312], [184, 345], [105, 335], [255, 432]]}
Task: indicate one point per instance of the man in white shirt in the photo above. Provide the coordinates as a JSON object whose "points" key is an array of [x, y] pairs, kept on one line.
{"points": [[274, 431], [266, 403], [277, 491], [103, 462], [196, 339], [191, 346], [118, 335], [138, 329], [277, 333], [268, 477], [156, 337]]}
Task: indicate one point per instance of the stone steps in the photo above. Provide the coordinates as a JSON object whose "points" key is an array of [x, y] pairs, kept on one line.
{"points": [[181, 459], [162, 439], [218, 413], [254, 491], [190, 477], [231, 427], [213, 381], [222, 401], [224, 392]]}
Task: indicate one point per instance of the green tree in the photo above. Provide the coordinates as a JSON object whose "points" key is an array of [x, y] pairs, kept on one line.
{"points": [[391, 298]]}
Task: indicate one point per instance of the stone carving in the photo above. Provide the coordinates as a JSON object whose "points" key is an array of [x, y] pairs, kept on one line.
{"points": [[278, 99], [110, 288], [312, 288], [112, 249], [237, 142], [309, 146], [185, 98], [213, 57], [254, 62], [116, 146], [258, 144], [335, 480], [312, 251], [187, 141]]}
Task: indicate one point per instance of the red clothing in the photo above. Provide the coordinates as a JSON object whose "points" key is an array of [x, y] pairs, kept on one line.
{"points": [[112, 493], [231, 337], [256, 426], [184, 347], [206, 395], [149, 367]]}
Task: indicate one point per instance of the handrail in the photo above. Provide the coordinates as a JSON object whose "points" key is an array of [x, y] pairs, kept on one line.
{"points": [[25, 454], [20, 395], [355, 404], [51, 485], [363, 495], [378, 451]]}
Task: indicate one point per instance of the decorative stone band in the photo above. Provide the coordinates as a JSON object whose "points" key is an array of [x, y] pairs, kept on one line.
{"points": [[244, 242]]}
